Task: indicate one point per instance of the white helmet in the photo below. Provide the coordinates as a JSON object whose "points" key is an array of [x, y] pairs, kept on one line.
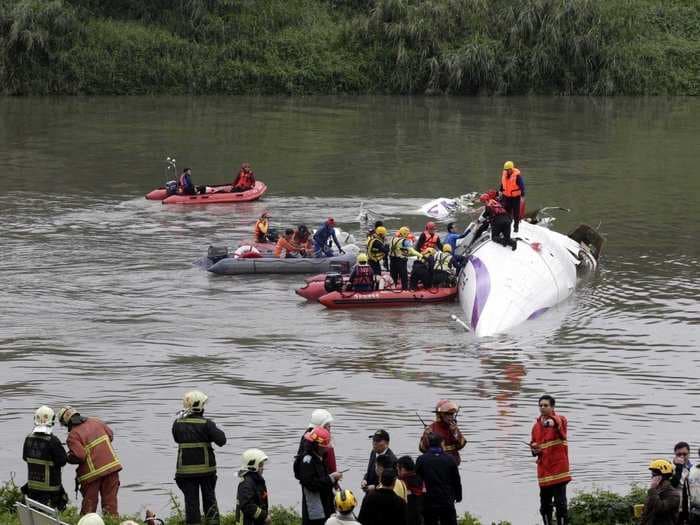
{"points": [[194, 401], [44, 417], [128, 522], [91, 519], [320, 417], [252, 459]]}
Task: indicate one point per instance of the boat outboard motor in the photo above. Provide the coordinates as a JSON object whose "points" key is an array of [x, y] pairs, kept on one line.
{"points": [[216, 253], [333, 282], [171, 187]]}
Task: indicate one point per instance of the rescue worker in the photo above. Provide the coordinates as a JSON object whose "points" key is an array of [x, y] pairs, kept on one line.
{"points": [[452, 236], [380, 447], [371, 232], [324, 234], [422, 271], [382, 506], [661, 505], [262, 229], [245, 180], [362, 275], [316, 482], [320, 418], [429, 239], [513, 189], [196, 462], [444, 271], [91, 519], [378, 250], [682, 469], [252, 500], [90, 447], [400, 249], [496, 216], [443, 485], [345, 503], [302, 239], [184, 182], [549, 443], [45, 457], [445, 426], [285, 247], [416, 489]]}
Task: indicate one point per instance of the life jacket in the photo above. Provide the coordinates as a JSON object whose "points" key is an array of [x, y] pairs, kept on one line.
{"points": [[397, 248], [442, 262], [510, 183], [283, 245], [431, 241], [93, 440], [43, 474], [453, 441], [195, 455], [261, 227], [373, 252], [495, 207], [363, 277], [553, 459], [245, 179], [184, 182]]}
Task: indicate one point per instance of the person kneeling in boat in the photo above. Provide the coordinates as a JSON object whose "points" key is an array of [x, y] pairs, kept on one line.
{"points": [[302, 240], [263, 233], [184, 183], [444, 271], [323, 237], [422, 271], [285, 247], [400, 249], [245, 180], [496, 216], [362, 276]]}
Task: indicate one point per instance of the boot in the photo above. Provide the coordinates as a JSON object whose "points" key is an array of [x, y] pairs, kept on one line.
{"points": [[562, 520], [513, 244], [547, 519]]}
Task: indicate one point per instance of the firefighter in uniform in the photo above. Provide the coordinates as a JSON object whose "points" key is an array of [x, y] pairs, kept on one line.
{"points": [[90, 447], [196, 463], [444, 271], [251, 499], [45, 456], [378, 251], [400, 249], [549, 444], [445, 426]]}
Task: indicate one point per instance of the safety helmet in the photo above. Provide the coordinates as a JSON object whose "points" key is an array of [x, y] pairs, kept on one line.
{"points": [[663, 466], [445, 406], [404, 231], [330, 221], [429, 251], [484, 197], [65, 414], [430, 225], [509, 165], [194, 401], [320, 418], [362, 258], [447, 248], [44, 416], [252, 459], [91, 519], [319, 435], [265, 214], [380, 230], [345, 501]]}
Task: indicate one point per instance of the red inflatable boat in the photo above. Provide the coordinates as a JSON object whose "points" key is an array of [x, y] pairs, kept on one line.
{"points": [[315, 286], [387, 298], [213, 195]]}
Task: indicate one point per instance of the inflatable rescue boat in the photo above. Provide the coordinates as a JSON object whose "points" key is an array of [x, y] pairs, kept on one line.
{"points": [[387, 298], [212, 195]]}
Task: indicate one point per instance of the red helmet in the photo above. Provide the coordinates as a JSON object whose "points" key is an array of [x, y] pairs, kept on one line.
{"points": [[330, 221], [484, 197], [445, 406], [265, 214], [430, 226], [319, 435]]}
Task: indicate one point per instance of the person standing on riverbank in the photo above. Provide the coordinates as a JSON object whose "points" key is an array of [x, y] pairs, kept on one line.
{"points": [[443, 484], [320, 418], [380, 447], [513, 190], [90, 447], [196, 462], [663, 500], [316, 481], [445, 426], [679, 480], [549, 443], [251, 497]]}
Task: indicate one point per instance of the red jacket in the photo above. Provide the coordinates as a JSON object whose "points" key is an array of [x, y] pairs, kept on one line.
{"points": [[453, 440], [245, 180], [90, 446], [553, 455]]}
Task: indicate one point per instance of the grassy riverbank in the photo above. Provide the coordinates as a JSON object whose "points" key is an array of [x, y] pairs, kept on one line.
{"points": [[596, 47], [585, 508]]}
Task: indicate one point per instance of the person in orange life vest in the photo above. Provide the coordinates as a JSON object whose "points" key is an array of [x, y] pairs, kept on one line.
{"points": [[513, 189], [549, 444], [302, 239], [184, 182], [90, 447], [429, 239], [496, 216], [362, 276], [262, 231], [245, 180], [285, 247], [445, 426]]}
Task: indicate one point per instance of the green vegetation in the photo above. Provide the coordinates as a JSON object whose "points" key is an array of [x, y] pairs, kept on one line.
{"points": [[465, 47]]}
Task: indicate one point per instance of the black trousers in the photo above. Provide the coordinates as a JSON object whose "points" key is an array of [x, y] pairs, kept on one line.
{"points": [[56, 500], [190, 488], [420, 274], [440, 515], [399, 271], [441, 278], [512, 206], [558, 494], [500, 230]]}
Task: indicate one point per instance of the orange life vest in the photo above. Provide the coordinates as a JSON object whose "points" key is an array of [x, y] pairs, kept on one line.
{"points": [[283, 245], [261, 228], [91, 444], [553, 459], [510, 183], [431, 241], [245, 180]]}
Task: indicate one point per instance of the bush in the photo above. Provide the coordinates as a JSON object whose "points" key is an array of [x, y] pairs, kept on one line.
{"points": [[602, 507]]}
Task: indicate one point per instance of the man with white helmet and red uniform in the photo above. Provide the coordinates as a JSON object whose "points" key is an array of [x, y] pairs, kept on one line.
{"points": [[44, 456], [445, 426], [196, 462], [251, 499]]}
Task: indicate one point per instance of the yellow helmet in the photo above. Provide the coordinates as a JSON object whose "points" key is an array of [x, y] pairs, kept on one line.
{"points": [[380, 230], [91, 519], [509, 165], [362, 258], [345, 501], [447, 248], [662, 466], [194, 401], [404, 231], [44, 417]]}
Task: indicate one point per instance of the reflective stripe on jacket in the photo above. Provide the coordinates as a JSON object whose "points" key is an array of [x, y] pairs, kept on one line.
{"points": [[90, 445], [509, 183], [452, 439], [442, 262], [195, 455], [553, 458], [43, 472], [375, 248]]}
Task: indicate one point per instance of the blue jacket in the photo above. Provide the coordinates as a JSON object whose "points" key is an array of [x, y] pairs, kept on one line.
{"points": [[325, 232]]}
